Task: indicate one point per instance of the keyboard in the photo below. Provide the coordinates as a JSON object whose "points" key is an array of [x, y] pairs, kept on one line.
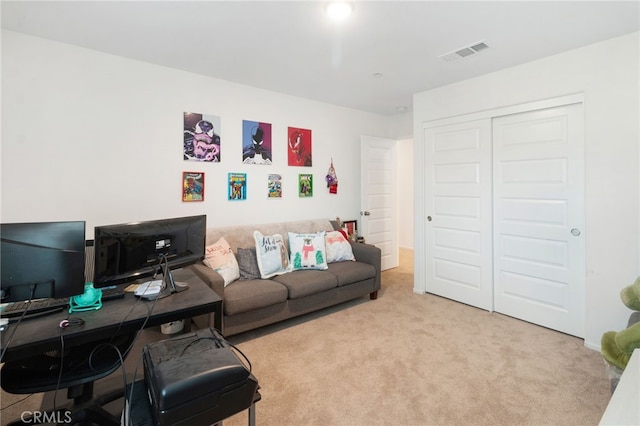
{"points": [[113, 292], [39, 307], [34, 308]]}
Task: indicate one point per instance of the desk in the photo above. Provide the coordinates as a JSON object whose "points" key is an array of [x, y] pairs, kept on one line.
{"points": [[118, 316], [624, 406]]}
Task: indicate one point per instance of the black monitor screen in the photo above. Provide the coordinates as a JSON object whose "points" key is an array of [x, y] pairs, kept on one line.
{"points": [[130, 251], [43, 259]]}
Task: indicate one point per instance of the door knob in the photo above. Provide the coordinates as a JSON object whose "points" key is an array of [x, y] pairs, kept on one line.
{"points": [[365, 213], [575, 232], [429, 218]]}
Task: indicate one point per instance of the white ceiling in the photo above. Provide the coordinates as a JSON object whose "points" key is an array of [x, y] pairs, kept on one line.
{"points": [[290, 47]]}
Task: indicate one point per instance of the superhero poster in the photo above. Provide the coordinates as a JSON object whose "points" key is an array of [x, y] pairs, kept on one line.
{"points": [[237, 186], [274, 186], [299, 147], [305, 185], [201, 137], [256, 142], [192, 186]]}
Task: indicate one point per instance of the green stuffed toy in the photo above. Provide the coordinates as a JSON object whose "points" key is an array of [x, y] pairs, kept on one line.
{"points": [[617, 347]]}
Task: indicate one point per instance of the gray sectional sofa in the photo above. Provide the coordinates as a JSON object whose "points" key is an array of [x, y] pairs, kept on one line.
{"points": [[253, 303]]}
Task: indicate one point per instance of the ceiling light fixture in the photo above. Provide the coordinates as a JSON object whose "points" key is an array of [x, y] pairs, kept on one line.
{"points": [[338, 10]]}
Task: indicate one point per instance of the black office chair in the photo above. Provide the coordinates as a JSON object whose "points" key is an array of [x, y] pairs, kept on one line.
{"points": [[82, 366]]}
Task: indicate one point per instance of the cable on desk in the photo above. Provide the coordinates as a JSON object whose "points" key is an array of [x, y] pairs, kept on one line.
{"points": [[13, 332], [55, 393], [126, 352]]}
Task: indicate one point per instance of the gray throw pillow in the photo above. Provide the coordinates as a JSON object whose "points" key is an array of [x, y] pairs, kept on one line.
{"points": [[248, 263]]}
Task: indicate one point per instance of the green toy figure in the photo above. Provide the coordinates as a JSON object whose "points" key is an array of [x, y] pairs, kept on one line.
{"points": [[617, 347]]}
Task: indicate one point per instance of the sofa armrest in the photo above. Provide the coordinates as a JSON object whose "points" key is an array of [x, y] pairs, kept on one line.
{"points": [[210, 277], [370, 254]]}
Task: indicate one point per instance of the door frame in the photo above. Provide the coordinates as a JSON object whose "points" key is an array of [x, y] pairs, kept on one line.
{"points": [[420, 228]]}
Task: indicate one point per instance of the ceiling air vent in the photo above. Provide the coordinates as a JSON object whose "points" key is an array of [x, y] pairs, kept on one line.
{"points": [[464, 52]]}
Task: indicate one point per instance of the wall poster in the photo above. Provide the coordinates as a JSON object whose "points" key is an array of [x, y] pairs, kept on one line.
{"points": [[299, 147], [192, 186], [201, 140], [274, 186], [305, 185], [237, 186], [256, 142]]}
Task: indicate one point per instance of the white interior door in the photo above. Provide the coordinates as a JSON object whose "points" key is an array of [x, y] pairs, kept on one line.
{"points": [[458, 240], [378, 206], [539, 253]]}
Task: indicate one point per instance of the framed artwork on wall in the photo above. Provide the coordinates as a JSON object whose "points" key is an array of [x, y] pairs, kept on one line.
{"points": [[299, 147], [305, 185], [256, 142], [192, 186], [351, 228], [274, 186], [201, 137], [237, 186]]}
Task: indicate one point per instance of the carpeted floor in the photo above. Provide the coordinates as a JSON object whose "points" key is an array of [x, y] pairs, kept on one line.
{"points": [[409, 359]]}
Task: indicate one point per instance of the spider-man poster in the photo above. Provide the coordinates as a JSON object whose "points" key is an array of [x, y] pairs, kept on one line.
{"points": [[201, 137], [299, 147], [256, 142]]}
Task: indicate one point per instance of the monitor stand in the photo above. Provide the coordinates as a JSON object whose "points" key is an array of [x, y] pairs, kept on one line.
{"points": [[169, 286]]}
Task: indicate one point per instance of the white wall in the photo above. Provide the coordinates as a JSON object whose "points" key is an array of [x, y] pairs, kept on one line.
{"points": [[608, 74], [97, 137]]}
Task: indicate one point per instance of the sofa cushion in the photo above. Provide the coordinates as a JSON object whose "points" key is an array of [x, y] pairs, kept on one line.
{"points": [[220, 258], [247, 295], [272, 254], [305, 282], [350, 272], [307, 251], [248, 264], [337, 247]]}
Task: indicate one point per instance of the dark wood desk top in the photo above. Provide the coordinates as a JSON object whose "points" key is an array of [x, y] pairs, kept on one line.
{"points": [[117, 316]]}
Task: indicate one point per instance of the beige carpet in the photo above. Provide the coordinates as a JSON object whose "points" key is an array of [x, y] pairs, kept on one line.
{"points": [[408, 359]]}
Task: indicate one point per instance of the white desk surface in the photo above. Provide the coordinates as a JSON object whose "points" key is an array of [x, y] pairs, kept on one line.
{"points": [[624, 406]]}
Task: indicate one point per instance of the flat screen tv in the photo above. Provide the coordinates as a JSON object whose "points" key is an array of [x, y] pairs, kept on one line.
{"points": [[132, 251], [42, 260]]}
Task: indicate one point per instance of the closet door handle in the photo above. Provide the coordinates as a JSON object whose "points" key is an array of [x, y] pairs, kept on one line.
{"points": [[575, 232], [429, 219]]}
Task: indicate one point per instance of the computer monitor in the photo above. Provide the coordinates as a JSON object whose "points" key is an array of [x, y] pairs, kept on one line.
{"points": [[134, 251], [42, 260]]}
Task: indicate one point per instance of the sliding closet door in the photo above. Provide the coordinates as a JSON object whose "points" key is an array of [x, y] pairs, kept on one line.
{"points": [[458, 212], [539, 253]]}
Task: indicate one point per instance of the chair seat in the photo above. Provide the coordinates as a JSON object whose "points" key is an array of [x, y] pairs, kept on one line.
{"points": [[82, 365]]}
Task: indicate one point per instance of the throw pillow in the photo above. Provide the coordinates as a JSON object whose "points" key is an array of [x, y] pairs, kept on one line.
{"points": [[220, 258], [308, 251], [338, 248], [271, 251], [248, 264]]}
